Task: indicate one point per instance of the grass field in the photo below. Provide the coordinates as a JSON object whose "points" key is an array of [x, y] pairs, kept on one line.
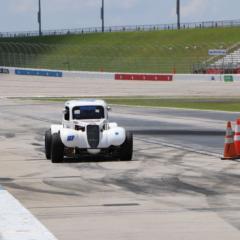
{"points": [[155, 51], [229, 105]]}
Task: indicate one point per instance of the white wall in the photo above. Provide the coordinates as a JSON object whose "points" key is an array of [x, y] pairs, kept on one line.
{"points": [[111, 76], [89, 75]]}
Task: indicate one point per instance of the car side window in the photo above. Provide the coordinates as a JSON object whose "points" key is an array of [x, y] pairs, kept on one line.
{"points": [[67, 114]]}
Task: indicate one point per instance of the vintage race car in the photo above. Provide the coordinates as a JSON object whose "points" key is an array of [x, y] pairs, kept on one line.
{"points": [[85, 129]]}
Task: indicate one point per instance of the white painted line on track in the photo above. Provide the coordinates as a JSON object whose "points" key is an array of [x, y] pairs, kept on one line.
{"points": [[17, 223]]}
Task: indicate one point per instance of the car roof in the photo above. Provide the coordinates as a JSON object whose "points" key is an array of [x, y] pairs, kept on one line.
{"points": [[85, 102]]}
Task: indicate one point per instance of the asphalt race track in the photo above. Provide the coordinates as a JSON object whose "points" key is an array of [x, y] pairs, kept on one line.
{"points": [[176, 187]]}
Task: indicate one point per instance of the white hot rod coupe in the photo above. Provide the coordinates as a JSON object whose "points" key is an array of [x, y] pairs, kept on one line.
{"points": [[85, 129]]}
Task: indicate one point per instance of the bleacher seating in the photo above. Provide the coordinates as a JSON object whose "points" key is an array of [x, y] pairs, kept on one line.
{"points": [[230, 61]]}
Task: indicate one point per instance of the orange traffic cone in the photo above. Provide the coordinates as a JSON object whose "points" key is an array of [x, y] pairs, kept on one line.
{"points": [[237, 137], [229, 146]]}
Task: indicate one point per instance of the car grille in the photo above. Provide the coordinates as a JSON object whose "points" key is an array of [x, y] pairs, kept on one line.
{"points": [[93, 135]]}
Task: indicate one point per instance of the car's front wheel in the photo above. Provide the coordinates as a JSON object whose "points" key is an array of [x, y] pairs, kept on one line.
{"points": [[57, 148], [126, 149]]}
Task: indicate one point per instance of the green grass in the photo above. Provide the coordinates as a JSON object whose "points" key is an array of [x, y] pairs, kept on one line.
{"points": [[229, 105], [154, 51]]}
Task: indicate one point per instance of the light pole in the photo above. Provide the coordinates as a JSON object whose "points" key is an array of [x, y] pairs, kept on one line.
{"points": [[40, 17], [102, 15], [178, 14]]}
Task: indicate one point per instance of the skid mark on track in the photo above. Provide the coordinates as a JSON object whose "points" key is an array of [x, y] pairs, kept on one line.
{"points": [[78, 187], [36, 190], [157, 186]]}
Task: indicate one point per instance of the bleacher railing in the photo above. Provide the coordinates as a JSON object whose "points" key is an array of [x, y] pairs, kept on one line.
{"points": [[131, 28]]}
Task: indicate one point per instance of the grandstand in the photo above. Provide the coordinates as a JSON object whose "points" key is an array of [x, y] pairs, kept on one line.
{"points": [[182, 51], [228, 64]]}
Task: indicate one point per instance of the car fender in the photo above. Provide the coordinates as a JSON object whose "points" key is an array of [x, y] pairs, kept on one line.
{"points": [[115, 136], [56, 128], [112, 125], [72, 138]]}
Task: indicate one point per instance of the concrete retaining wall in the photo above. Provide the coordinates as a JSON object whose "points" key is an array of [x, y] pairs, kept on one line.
{"points": [[89, 75], [113, 76], [204, 77]]}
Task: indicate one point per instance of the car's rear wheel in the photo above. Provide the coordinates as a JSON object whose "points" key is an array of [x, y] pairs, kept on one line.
{"points": [[57, 148], [126, 149], [48, 143]]}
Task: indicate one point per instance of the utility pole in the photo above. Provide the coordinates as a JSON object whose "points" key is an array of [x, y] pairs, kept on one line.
{"points": [[178, 14], [102, 15], [40, 17]]}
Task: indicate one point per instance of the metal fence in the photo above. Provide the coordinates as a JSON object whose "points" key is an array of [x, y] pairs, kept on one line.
{"points": [[203, 68], [152, 58], [131, 28]]}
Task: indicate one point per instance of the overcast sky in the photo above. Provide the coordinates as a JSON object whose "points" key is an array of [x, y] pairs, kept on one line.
{"points": [[21, 15]]}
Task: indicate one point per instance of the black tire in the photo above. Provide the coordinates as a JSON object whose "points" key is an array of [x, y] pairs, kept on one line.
{"points": [[126, 149], [57, 148], [48, 143]]}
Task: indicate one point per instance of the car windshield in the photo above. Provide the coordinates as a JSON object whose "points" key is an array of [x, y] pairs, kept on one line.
{"points": [[88, 112]]}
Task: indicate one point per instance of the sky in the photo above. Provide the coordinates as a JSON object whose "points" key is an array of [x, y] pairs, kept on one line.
{"points": [[21, 15]]}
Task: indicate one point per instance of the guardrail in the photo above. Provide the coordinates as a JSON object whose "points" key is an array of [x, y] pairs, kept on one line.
{"points": [[129, 28]]}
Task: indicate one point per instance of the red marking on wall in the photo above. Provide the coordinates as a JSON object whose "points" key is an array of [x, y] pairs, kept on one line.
{"points": [[144, 77]]}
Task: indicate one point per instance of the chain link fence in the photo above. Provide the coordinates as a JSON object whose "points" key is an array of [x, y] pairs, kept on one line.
{"points": [[152, 58]]}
